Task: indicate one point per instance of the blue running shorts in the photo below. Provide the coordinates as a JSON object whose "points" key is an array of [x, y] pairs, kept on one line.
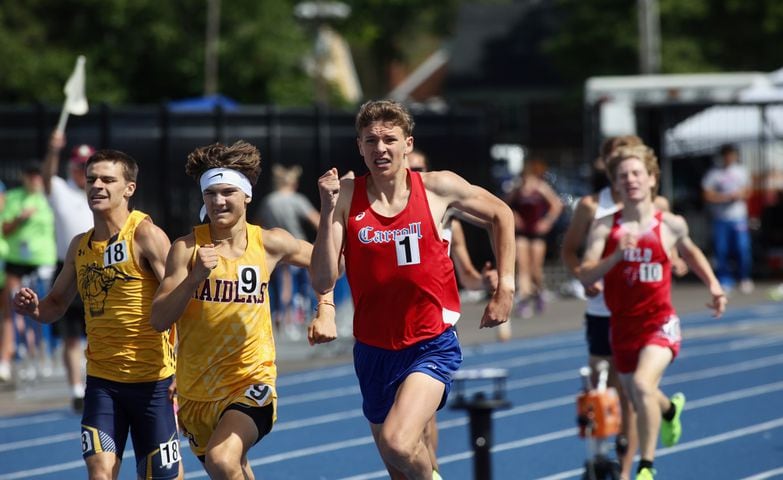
{"points": [[381, 371]]}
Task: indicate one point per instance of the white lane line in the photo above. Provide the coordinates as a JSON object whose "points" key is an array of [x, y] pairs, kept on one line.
{"points": [[37, 442], [31, 420], [764, 475], [60, 467]]}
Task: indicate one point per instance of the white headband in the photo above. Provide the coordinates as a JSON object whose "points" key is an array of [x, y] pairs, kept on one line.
{"points": [[215, 176]]}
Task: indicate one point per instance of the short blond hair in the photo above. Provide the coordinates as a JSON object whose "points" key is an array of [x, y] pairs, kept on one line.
{"points": [[642, 152], [613, 143]]}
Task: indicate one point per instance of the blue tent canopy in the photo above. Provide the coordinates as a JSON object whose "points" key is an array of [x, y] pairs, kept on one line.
{"points": [[203, 104]]}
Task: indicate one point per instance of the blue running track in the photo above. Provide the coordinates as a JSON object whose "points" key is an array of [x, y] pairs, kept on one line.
{"points": [[731, 371]]}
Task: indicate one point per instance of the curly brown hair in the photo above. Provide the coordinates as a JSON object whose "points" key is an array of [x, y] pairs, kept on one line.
{"points": [[387, 111], [241, 156]]}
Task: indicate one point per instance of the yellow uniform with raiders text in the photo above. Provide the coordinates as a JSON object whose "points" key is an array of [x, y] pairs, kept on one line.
{"points": [[226, 350], [121, 344]]}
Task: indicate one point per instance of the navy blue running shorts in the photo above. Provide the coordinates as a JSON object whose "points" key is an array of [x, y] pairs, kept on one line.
{"points": [[113, 409], [381, 371]]}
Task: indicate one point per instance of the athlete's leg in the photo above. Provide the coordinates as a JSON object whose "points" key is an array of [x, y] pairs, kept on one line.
{"points": [[524, 286], [240, 427], [431, 440], [7, 336], [104, 429], [647, 398], [400, 439], [103, 466], [537, 256], [226, 456], [153, 429]]}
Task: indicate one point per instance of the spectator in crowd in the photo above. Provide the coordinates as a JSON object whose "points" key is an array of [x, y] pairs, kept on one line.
{"points": [[726, 188], [72, 216], [288, 209], [536, 208], [28, 227], [7, 335]]}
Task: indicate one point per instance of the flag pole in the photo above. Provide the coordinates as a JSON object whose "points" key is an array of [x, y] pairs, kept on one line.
{"points": [[75, 100], [63, 119]]}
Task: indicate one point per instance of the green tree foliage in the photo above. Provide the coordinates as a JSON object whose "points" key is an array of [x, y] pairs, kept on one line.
{"points": [[143, 51], [386, 32], [600, 37]]}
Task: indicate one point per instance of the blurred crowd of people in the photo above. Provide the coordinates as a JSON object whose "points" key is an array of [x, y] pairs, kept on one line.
{"points": [[39, 219]]}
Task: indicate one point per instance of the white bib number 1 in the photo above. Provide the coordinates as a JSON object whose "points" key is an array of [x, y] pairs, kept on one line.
{"points": [[407, 249]]}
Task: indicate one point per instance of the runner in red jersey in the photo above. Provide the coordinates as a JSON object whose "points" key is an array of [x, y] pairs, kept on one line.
{"points": [[387, 224], [389, 259], [638, 293], [631, 251]]}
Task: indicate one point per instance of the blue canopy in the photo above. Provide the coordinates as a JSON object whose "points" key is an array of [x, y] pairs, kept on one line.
{"points": [[203, 104]]}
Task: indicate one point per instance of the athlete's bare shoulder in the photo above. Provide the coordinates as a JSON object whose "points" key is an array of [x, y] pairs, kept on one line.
{"points": [[185, 242], [676, 224], [587, 205], [443, 183]]}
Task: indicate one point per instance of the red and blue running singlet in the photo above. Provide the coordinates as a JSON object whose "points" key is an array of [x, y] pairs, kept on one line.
{"points": [[401, 277]]}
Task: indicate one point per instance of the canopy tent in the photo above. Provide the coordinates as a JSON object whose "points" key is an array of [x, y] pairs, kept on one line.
{"points": [[758, 117], [203, 104], [714, 126]]}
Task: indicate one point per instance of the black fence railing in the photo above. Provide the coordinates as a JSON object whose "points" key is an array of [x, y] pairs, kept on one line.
{"points": [[160, 139]]}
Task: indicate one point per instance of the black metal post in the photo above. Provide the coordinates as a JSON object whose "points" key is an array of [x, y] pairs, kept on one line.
{"points": [[480, 408], [481, 436]]}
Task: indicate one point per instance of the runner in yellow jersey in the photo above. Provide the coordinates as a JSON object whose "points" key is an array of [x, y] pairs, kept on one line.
{"points": [[116, 267], [216, 290]]}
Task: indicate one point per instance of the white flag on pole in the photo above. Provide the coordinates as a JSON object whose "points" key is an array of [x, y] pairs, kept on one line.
{"points": [[75, 98]]}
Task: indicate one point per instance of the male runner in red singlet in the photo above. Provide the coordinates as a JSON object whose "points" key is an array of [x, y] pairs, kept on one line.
{"points": [[387, 224], [631, 250]]}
